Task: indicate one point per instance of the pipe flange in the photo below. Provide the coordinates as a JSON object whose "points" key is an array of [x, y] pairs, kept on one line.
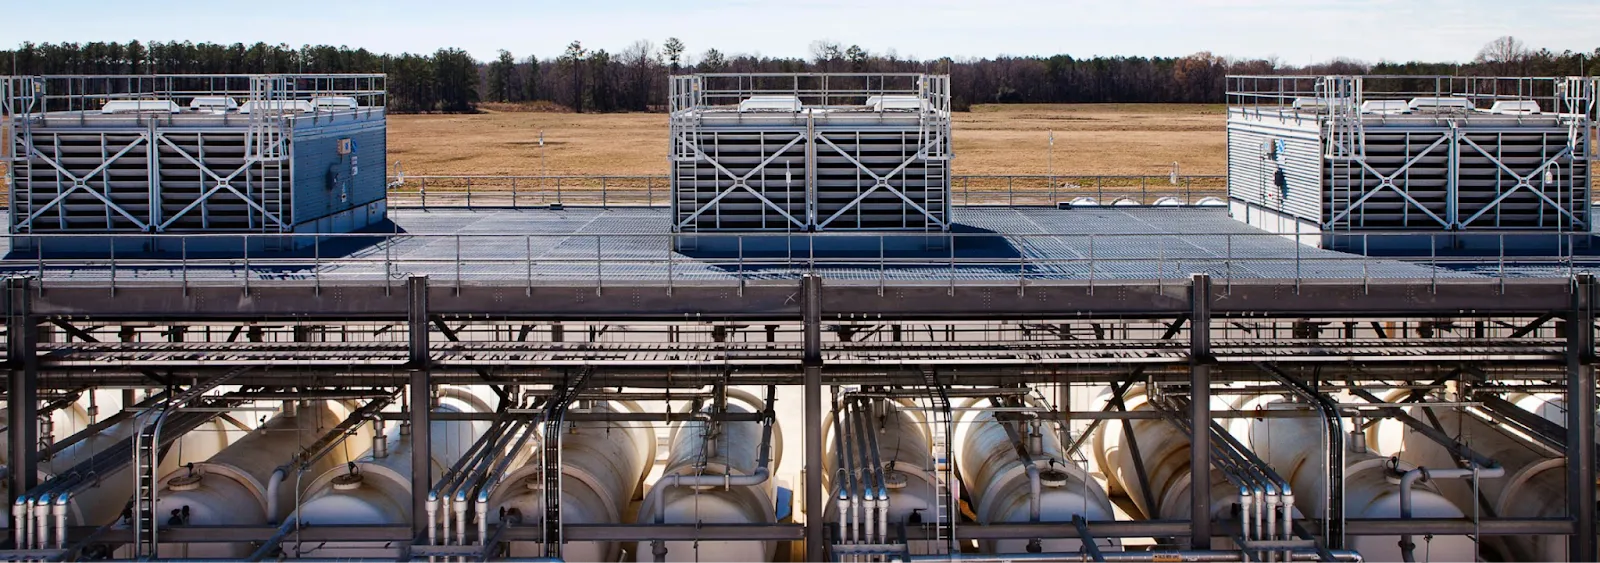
{"points": [[1053, 478], [894, 480], [532, 483], [185, 482], [347, 482]]}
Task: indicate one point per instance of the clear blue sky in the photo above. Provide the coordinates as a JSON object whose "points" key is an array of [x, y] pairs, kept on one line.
{"points": [[1295, 31]]}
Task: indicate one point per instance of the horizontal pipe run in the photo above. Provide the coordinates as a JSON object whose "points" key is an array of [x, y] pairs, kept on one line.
{"points": [[1132, 557]]}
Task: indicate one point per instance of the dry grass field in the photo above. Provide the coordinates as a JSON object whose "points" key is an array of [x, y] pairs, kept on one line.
{"points": [[993, 139]]}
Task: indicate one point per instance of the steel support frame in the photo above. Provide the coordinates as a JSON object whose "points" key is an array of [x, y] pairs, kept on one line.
{"points": [[22, 393], [1200, 411], [1581, 420], [420, 400]]}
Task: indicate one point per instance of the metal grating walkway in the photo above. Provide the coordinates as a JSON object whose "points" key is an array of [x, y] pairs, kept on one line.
{"points": [[632, 244]]}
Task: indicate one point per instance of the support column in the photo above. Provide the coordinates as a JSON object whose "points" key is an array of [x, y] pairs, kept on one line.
{"points": [[1580, 421], [1200, 412], [421, 399], [23, 393], [811, 309]]}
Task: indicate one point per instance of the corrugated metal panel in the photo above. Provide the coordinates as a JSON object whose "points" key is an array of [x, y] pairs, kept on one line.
{"points": [[1254, 172], [324, 183]]}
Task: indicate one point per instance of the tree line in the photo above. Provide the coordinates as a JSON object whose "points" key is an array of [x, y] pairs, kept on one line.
{"points": [[635, 78]]}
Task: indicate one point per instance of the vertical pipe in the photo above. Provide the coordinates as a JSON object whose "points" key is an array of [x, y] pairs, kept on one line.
{"points": [[421, 402], [1200, 412], [1581, 421], [22, 397], [812, 315]]}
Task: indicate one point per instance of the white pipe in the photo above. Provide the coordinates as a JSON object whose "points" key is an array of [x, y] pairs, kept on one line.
{"points": [[274, 483], [60, 510], [1035, 491], [433, 509], [41, 521], [461, 523], [1411, 477], [19, 528]]}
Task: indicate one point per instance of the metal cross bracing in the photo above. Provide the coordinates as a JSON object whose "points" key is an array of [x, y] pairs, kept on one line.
{"points": [[834, 158], [158, 167]]}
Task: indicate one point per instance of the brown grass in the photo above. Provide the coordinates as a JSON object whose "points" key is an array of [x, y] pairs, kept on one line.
{"points": [[992, 139]]}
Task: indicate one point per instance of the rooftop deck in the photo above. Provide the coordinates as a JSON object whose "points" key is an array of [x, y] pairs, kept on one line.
{"points": [[632, 244]]}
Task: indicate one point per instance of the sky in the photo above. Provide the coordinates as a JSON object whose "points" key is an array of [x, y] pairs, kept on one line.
{"points": [[1295, 31]]}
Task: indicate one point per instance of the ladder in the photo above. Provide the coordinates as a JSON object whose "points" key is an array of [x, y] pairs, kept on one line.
{"points": [[941, 427], [147, 462], [554, 418], [269, 101], [1579, 96], [1345, 142], [936, 165]]}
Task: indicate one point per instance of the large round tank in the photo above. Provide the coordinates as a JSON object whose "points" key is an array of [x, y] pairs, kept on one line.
{"points": [[1534, 485], [602, 465], [729, 448], [104, 500], [232, 488], [905, 448], [378, 490], [1292, 446], [1165, 452], [997, 480]]}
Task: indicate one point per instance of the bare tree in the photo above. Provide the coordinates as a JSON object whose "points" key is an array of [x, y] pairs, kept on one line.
{"points": [[825, 52], [1506, 55]]}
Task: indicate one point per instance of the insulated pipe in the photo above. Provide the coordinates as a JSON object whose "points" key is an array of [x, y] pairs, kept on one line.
{"points": [[465, 489], [869, 500], [882, 477], [442, 491], [759, 476], [842, 482], [528, 430], [1410, 478], [850, 485]]}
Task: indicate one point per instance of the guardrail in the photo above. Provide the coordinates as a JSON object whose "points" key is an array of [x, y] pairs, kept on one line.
{"points": [[651, 190], [903, 258]]}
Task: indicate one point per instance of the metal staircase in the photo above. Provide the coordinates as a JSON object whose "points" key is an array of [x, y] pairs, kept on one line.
{"points": [[941, 429], [550, 455]]}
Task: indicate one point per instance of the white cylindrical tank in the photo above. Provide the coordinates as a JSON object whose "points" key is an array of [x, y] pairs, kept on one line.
{"points": [[105, 497], [602, 465], [1165, 452], [378, 492], [233, 487], [729, 448], [998, 483], [905, 448], [1292, 446], [1534, 485]]}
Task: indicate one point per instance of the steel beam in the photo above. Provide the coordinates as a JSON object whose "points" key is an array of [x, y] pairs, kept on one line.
{"points": [[421, 400], [1581, 420], [1200, 411], [22, 339]]}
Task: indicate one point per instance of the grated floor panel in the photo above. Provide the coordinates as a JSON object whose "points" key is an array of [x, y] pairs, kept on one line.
{"points": [[989, 244]]}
